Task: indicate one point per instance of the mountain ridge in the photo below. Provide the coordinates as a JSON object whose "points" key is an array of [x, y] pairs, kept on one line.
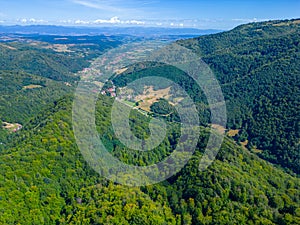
{"points": [[69, 30]]}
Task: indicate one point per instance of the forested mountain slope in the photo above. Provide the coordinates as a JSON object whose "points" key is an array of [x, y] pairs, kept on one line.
{"points": [[44, 179], [54, 57], [36, 70], [258, 67], [23, 95]]}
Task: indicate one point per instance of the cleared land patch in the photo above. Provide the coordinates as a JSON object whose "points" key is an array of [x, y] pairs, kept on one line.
{"points": [[120, 71], [12, 127], [220, 129], [150, 96], [32, 86], [233, 133]]}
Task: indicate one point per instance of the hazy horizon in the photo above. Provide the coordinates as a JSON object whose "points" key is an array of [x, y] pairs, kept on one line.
{"points": [[222, 15]]}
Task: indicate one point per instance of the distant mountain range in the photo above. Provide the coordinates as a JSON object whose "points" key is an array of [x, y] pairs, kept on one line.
{"points": [[136, 31]]}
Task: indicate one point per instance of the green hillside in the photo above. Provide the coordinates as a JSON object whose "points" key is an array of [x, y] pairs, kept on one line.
{"points": [[258, 67], [54, 57], [23, 95], [36, 70], [44, 179]]}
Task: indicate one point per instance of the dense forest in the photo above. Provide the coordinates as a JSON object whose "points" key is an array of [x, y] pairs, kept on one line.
{"points": [[258, 67], [35, 70], [23, 95], [44, 178]]}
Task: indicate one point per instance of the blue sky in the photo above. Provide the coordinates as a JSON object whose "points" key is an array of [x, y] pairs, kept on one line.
{"points": [[219, 14]]}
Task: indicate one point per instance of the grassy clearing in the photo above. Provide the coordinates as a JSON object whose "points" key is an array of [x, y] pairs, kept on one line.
{"points": [[220, 129], [60, 47], [233, 133], [120, 71], [32, 86], [151, 96]]}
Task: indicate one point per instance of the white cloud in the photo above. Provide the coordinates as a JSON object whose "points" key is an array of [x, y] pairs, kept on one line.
{"points": [[81, 22], [117, 21], [113, 20], [102, 5], [32, 21], [136, 22], [178, 24], [66, 21]]}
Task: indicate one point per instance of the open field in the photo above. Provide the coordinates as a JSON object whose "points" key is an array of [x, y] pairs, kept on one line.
{"points": [[151, 96], [60, 47], [54, 47], [32, 86]]}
